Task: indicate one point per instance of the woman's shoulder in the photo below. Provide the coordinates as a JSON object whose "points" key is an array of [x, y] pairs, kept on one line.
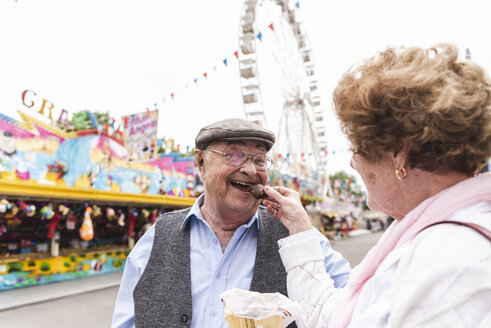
{"points": [[444, 270], [449, 241]]}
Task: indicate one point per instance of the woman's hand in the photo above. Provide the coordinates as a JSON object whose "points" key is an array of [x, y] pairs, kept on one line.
{"points": [[285, 204]]}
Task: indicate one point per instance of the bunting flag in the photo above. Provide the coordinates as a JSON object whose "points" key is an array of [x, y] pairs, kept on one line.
{"points": [[225, 61], [297, 4]]}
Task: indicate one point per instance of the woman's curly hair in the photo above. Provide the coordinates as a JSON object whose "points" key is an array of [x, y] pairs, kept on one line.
{"points": [[422, 99]]}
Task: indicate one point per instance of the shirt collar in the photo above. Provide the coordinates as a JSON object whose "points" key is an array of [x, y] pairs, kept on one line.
{"points": [[195, 212]]}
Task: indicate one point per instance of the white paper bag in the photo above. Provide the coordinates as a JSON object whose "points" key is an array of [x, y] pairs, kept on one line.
{"points": [[244, 308]]}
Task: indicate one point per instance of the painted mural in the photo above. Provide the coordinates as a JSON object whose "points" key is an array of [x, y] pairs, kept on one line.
{"points": [[39, 153], [32, 272]]}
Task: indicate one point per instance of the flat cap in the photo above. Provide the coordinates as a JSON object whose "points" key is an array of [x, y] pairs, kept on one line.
{"points": [[234, 129]]}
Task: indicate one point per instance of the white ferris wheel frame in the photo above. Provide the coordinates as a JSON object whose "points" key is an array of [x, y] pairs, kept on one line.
{"points": [[250, 85]]}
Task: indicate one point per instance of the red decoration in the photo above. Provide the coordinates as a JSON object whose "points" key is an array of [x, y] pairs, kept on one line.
{"points": [[236, 54], [172, 95], [154, 216], [131, 225], [271, 26], [205, 75], [53, 224]]}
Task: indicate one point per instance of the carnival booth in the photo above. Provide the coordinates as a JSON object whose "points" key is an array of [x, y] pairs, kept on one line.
{"points": [[73, 203], [77, 192]]}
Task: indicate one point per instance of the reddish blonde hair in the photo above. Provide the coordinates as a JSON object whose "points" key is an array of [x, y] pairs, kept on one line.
{"points": [[424, 99]]}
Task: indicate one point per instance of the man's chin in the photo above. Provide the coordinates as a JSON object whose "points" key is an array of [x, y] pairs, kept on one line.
{"points": [[246, 205]]}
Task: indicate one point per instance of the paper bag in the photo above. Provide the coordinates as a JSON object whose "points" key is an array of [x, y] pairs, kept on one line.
{"points": [[244, 308]]}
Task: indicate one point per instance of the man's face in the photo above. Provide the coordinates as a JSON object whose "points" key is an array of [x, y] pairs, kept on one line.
{"points": [[221, 181]]}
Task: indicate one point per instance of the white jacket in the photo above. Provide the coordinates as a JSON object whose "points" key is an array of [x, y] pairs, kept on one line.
{"points": [[442, 278]]}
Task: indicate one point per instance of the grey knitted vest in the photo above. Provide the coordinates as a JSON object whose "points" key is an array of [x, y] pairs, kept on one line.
{"points": [[162, 296]]}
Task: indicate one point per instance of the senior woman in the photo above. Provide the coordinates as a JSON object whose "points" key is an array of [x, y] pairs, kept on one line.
{"points": [[419, 122]]}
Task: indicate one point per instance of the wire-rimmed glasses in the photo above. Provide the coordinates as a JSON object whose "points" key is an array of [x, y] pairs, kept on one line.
{"points": [[237, 158]]}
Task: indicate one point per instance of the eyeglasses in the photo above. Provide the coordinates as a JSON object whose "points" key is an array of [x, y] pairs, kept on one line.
{"points": [[238, 158]]}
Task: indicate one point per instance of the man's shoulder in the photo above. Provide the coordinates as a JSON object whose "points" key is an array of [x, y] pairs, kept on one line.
{"points": [[174, 218], [174, 215]]}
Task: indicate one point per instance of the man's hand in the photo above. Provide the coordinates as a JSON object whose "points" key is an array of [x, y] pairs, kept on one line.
{"points": [[285, 204]]}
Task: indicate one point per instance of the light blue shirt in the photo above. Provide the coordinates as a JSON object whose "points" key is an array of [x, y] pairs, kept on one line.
{"points": [[212, 271]]}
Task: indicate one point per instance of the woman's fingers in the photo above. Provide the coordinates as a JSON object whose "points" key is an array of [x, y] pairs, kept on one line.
{"points": [[285, 204]]}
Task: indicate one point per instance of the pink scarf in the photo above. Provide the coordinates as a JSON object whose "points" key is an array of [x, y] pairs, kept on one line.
{"points": [[436, 208]]}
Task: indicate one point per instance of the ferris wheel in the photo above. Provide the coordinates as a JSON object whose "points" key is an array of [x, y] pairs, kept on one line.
{"points": [[278, 82]]}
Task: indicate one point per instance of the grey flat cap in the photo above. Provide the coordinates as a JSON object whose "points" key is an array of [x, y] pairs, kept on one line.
{"points": [[234, 129]]}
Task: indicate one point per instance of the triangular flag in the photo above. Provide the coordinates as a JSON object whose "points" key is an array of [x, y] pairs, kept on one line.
{"points": [[172, 95], [271, 26], [260, 36], [215, 68], [236, 54], [195, 81], [297, 4], [225, 61], [205, 75]]}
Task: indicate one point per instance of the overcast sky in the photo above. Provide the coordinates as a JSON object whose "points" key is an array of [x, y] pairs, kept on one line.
{"points": [[123, 56]]}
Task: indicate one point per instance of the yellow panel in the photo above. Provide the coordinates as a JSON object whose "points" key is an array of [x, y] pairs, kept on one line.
{"points": [[62, 193]]}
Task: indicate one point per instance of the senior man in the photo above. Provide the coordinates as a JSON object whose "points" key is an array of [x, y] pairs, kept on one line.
{"points": [[177, 270]]}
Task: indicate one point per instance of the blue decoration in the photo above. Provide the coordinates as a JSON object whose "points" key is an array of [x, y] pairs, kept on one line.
{"points": [[92, 119]]}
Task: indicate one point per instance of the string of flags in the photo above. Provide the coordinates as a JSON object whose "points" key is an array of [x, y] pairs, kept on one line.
{"points": [[304, 155], [172, 94]]}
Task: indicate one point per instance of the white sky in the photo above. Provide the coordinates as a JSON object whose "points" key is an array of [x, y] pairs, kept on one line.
{"points": [[123, 56]]}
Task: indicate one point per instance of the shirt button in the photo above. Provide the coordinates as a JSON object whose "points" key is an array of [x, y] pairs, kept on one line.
{"points": [[184, 318], [219, 275], [213, 314]]}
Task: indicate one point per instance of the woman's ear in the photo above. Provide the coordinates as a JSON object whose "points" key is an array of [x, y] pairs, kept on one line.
{"points": [[400, 157]]}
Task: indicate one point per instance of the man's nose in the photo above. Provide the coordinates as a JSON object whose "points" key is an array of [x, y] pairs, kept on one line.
{"points": [[249, 166]]}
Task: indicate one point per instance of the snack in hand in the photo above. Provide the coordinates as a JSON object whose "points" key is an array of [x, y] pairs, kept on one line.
{"points": [[257, 190]]}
